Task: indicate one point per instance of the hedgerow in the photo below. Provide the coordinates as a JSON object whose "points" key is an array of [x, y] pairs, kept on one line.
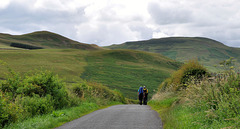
{"points": [[24, 96]]}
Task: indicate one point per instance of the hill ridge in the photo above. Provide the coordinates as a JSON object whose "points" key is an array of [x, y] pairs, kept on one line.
{"points": [[45, 39], [208, 51]]}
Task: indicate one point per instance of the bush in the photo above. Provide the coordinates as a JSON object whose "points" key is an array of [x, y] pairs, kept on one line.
{"points": [[9, 111], [11, 85], [50, 84], [41, 83], [94, 90], [37, 105], [43, 92], [27, 96], [191, 71]]}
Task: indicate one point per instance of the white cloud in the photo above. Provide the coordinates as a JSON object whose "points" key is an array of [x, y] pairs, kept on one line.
{"points": [[4, 3], [116, 21], [160, 34]]}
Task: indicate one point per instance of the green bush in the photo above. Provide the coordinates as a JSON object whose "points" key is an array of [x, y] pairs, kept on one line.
{"points": [[43, 92], [191, 71], [27, 96], [48, 84], [37, 105], [95, 90], [9, 111], [41, 83], [11, 85]]}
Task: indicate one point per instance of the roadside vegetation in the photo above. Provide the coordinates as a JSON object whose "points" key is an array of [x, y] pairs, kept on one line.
{"points": [[42, 95], [194, 98]]}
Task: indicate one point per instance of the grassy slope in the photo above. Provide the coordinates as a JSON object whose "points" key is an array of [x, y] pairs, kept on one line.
{"points": [[45, 39], [68, 63], [124, 70], [207, 51]]}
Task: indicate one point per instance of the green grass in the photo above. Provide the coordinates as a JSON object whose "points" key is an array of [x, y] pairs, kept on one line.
{"points": [[68, 64], [186, 117], [3, 46], [163, 107], [52, 120], [180, 116], [207, 51], [124, 70]]}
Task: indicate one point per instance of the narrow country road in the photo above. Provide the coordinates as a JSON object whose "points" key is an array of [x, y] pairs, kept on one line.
{"points": [[118, 117]]}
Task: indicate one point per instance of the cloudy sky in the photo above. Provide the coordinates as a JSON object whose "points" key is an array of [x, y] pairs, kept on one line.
{"points": [[105, 22]]}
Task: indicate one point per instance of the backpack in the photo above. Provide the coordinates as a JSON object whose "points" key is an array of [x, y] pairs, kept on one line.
{"points": [[140, 90], [145, 90]]}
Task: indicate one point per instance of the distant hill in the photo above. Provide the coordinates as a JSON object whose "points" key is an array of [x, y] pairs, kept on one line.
{"points": [[42, 40], [209, 52]]}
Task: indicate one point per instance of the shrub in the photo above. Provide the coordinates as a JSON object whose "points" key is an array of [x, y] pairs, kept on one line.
{"points": [[37, 105], [9, 111], [220, 98], [43, 92], [94, 90], [12, 84], [26, 96], [190, 71]]}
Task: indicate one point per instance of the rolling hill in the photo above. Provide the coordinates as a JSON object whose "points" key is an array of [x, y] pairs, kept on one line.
{"points": [[124, 70], [42, 40], [209, 52]]}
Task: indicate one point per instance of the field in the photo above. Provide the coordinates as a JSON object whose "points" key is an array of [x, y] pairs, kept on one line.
{"points": [[124, 70], [68, 64]]}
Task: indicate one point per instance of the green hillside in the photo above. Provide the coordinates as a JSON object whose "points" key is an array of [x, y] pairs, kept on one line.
{"points": [[124, 70], [209, 52], [42, 39]]}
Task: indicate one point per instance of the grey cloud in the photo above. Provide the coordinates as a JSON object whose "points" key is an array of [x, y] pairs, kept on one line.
{"points": [[145, 32], [107, 25], [18, 18], [105, 34], [164, 15]]}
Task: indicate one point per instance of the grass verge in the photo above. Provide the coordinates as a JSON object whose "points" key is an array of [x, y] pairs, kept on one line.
{"points": [[163, 107], [176, 115], [59, 117]]}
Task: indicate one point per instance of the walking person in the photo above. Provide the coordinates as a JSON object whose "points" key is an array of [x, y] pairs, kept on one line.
{"points": [[145, 95], [140, 95]]}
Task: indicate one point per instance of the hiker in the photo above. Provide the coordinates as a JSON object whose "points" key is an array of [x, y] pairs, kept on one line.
{"points": [[140, 95], [145, 95]]}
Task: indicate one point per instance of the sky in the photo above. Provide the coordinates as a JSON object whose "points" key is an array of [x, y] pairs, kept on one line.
{"points": [[106, 22]]}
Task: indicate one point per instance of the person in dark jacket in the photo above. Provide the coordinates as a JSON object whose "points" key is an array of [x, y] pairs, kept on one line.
{"points": [[140, 95], [145, 95]]}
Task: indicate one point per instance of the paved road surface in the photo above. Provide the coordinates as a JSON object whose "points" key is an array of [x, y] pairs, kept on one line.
{"points": [[118, 117]]}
